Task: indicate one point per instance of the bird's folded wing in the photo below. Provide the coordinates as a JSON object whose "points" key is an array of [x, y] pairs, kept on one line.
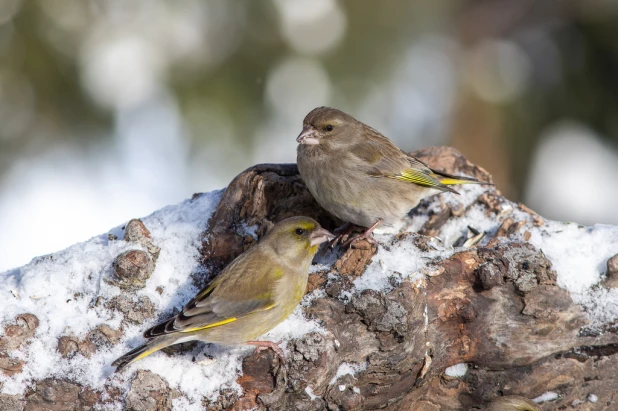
{"points": [[225, 299], [219, 312], [378, 158], [383, 159]]}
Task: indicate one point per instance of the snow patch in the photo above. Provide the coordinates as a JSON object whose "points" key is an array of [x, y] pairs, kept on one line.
{"points": [[295, 326], [61, 290], [457, 370], [578, 254], [348, 368], [402, 260], [545, 397], [310, 393]]}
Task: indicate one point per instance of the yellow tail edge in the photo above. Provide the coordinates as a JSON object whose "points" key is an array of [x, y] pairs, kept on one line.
{"points": [[136, 354], [454, 181]]}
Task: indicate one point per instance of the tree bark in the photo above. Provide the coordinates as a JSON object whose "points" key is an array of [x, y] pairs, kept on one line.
{"points": [[496, 308]]}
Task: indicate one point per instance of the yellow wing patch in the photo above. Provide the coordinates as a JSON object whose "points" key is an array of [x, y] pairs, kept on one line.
{"points": [[223, 322], [417, 177]]}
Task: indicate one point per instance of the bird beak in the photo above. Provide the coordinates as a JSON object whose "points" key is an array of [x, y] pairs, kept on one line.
{"points": [[320, 236], [308, 136]]}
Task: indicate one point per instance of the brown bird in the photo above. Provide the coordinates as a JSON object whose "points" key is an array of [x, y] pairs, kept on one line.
{"points": [[359, 175], [253, 294]]}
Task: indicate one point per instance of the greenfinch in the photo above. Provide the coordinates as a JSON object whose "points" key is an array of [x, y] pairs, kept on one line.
{"points": [[512, 403], [253, 294], [359, 175]]}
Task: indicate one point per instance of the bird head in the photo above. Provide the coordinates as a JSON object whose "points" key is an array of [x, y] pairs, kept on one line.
{"points": [[297, 239], [325, 125]]}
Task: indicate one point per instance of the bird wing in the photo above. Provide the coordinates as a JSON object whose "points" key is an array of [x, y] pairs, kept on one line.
{"points": [[226, 298], [381, 158]]}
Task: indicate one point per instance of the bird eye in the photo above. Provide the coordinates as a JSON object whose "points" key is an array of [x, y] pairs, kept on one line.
{"points": [[300, 231], [329, 128]]}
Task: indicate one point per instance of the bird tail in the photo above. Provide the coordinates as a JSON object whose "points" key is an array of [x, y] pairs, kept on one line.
{"points": [[140, 352], [451, 180], [458, 181]]}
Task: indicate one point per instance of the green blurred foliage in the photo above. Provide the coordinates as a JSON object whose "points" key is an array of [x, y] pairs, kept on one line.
{"points": [[43, 102]]}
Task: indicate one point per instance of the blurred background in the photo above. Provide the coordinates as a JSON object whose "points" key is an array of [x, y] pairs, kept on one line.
{"points": [[112, 109]]}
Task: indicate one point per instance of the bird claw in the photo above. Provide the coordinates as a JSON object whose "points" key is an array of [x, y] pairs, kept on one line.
{"points": [[340, 239], [342, 234], [265, 345], [364, 236], [352, 241]]}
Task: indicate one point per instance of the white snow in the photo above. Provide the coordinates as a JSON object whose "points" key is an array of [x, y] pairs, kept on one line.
{"points": [[348, 368], [545, 397], [405, 261], [296, 325], [578, 254], [61, 289], [310, 393], [593, 398], [184, 404], [401, 261], [457, 370], [250, 230]]}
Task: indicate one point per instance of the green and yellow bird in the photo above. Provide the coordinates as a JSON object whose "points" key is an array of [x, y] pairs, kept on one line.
{"points": [[359, 175], [253, 294]]}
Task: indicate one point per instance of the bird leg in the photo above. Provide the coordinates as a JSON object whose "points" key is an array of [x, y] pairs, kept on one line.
{"points": [[342, 233], [366, 235], [264, 345]]}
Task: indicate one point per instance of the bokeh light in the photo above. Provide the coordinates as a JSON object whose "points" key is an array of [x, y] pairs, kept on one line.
{"points": [[311, 26], [575, 169], [499, 70], [112, 109]]}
